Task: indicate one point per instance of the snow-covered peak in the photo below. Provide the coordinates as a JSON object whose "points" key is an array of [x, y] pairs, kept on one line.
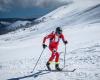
{"points": [[69, 9], [18, 24], [70, 15]]}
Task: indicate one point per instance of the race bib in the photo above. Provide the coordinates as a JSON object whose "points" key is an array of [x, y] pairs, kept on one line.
{"points": [[56, 38]]}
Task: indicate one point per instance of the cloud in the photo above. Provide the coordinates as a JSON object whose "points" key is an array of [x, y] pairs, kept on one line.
{"points": [[6, 5], [9, 4]]}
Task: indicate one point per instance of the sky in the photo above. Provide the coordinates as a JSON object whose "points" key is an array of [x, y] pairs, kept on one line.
{"points": [[28, 8], [32, 8]]}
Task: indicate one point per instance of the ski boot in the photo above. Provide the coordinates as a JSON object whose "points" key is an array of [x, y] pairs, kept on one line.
{"points": [[57, 67], [48, 66]]}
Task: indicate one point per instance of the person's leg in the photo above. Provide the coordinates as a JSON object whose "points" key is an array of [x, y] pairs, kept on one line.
{"points": [[50, 59], [57, 57], [57, 62]]}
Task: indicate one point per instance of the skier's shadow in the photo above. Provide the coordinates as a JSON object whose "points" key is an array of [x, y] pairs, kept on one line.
{"points": [[31, 75]]}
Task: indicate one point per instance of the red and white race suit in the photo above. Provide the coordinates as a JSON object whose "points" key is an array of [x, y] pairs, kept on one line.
{"points": [[53, 45]]}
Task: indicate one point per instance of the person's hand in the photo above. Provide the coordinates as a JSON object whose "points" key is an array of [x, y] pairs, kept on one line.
{"points": [[65, 42], [44, 46]]}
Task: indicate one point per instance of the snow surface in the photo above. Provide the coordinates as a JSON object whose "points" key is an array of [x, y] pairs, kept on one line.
{"points": [[19, 50]]}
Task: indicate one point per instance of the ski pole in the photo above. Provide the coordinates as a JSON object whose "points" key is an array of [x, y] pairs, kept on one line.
{"points": [[37, 61], [65, 57]]}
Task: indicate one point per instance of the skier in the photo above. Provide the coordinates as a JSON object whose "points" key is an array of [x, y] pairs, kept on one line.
{"points": [[54, 38]]}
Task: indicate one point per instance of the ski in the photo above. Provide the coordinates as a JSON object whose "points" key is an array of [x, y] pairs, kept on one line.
{"points": [[42, 72], [58, 71]]}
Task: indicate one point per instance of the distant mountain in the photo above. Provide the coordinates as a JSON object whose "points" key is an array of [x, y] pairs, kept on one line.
{"points": [[19, 24], [16, 19], [7, 24]]}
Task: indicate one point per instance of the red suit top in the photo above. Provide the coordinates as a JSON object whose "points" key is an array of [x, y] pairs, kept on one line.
{"points": [[54, 39]]}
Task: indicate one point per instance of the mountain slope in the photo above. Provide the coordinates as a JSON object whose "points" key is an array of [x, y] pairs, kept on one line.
{"points": [[68, 15], [19, 58], [20, 49]]}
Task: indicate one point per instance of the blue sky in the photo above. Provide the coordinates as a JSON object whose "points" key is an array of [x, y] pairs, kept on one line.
{"points": [[33, 12], [28, 8], [31, 8]]}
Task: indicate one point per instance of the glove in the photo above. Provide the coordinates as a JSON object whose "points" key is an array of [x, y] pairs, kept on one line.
{"points": [[65, 42], [44, 46]]}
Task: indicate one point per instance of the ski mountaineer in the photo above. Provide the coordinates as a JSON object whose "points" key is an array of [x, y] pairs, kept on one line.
{"points": [[54, 38]]}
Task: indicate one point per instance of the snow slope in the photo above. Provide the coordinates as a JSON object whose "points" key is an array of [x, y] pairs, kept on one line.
{"points": [[20, 49]]}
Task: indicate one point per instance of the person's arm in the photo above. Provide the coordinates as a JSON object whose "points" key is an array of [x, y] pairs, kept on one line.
{"points": [[45, 38], [63, 39]]}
